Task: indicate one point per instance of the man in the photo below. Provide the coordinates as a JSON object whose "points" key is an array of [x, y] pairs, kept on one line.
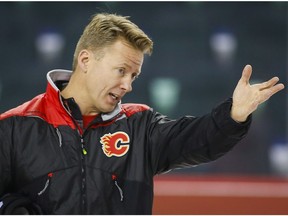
{"points": [[77, 150]]}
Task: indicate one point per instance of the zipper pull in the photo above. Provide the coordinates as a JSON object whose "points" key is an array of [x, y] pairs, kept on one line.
{"points": [[114, 178], [84, 151]]}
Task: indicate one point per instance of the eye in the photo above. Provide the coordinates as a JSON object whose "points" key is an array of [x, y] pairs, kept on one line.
{"points": [[121, 71]]}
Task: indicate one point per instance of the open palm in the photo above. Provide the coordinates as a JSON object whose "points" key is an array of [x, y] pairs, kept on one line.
{"points": [[246, 97]]}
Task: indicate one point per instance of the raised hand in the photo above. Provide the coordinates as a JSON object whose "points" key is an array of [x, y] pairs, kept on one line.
{"points": [[246, 97]]}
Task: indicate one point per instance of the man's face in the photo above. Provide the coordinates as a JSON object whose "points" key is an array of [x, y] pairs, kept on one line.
{"points": [[111, 77]]}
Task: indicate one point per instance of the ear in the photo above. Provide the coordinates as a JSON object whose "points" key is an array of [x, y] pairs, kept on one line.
{"points": [[83, 59]]}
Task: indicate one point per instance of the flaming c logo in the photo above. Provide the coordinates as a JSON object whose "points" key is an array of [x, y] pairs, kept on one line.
{"points": [[116, 144]]}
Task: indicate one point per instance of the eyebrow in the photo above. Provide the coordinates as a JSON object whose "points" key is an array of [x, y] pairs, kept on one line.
{"points": [[128, 66]]}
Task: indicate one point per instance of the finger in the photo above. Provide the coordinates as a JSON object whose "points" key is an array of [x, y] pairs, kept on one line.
{"points": [[267, 93], [268, 83], [246, 74], [277, 88]]}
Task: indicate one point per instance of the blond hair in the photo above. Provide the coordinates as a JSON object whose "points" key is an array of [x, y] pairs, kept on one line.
{"points": [[104, 29]]}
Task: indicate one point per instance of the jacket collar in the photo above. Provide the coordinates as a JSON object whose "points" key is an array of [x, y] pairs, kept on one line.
{"points": [[53, 91]]}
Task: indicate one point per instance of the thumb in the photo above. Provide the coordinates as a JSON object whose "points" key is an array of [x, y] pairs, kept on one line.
{"points": [[246, 74]]}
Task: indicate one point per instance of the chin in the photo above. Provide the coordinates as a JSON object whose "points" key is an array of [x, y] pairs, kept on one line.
{"points": [[108, 110]]}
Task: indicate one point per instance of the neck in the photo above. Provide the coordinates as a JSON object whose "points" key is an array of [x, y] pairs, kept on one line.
{"points": [[73, 90]]}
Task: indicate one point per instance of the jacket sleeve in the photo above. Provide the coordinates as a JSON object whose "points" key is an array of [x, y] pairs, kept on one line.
{"points": [[5, 155], [190, 141]]}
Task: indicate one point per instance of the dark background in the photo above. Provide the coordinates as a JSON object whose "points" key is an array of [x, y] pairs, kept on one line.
{"points": [[181, 32]]}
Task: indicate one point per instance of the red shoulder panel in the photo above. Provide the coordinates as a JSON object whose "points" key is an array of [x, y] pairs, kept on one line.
{"points": [[27, 109], [46, 106], [130, 108]]}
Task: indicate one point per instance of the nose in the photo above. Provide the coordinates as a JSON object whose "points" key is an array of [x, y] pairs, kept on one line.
{"points": [[126, 85]]}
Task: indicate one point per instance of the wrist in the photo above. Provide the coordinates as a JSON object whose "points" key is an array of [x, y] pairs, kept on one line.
{"points": [[238, 117]]}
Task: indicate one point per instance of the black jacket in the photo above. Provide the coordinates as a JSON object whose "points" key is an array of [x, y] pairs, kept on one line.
{"points": [[109, 168]]}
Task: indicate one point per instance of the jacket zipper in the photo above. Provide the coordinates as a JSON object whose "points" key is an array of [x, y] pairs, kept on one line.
{"points": [[83, 175], [114, 178], [50, 175], [59, 136], [83, 172], [83, 153]]}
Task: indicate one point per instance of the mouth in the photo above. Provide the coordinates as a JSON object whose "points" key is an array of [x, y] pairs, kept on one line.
{"points": [[115, 96]]}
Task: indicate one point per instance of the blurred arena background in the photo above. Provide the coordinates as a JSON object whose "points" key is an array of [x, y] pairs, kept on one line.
{"points": [[199, 53]]}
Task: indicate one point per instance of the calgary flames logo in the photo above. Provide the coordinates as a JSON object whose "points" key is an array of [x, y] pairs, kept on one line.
{"points": [[114, 144]]}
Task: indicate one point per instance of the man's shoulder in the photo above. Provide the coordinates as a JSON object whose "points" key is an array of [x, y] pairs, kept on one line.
{"points": [[133, 108], [33, 107]]}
